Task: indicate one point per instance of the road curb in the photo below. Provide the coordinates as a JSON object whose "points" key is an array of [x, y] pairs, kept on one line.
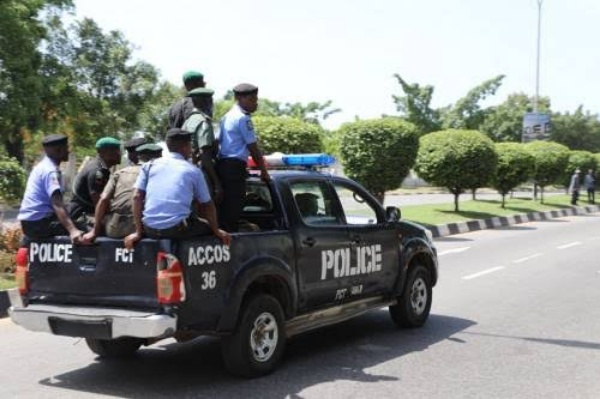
{"points": [[502, 221], [4, 304]]}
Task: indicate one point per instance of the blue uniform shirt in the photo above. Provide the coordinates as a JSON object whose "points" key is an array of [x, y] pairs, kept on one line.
{"points": [[44, 180], [236, 132], [171, 184]]}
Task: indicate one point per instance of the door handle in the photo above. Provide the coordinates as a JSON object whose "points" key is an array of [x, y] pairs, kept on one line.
{"points": [[309, 241]]}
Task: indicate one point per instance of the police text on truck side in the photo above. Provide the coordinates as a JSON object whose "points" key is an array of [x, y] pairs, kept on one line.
{"points": [[336, 263]]}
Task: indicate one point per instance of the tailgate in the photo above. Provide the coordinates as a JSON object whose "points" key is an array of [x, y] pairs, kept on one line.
{"points": [[105, 274]]}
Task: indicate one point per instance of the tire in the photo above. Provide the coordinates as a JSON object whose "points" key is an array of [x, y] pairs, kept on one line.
{"points": [[114, 348], [257, 344], [412, 309]]}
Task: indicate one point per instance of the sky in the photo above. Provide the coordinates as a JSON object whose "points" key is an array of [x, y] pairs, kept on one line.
{"points": [[347, 51]]}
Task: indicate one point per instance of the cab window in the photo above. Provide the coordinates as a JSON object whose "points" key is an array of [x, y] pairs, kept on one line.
{"points": [[315, 204], [357, 209]]}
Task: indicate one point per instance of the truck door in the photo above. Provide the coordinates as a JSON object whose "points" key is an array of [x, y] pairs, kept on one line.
{"points": [[375, 243], [321, 239]]}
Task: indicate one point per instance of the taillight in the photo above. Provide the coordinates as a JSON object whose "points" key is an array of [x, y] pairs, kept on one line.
{"points": [[22, 272], [169, 279]]}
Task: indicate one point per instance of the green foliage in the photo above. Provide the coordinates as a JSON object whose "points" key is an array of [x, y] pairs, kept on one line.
{"points": [[154, 116], [457, 160], [504, 122], [415, 106], [550, 161], [12, 180], [287, 135], [378, 153], [515, 165], [582, 160], [467, 112], [578, 131]]}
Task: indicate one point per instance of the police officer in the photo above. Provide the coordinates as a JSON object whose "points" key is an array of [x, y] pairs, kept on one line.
{"points": [[113, 212], [165, 191], [237, 140], [204, 144], [131, 146], [90, 181], [43, 213], [183, 108]]}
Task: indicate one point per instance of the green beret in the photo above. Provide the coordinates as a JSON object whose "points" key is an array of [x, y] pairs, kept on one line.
{"points": [[107, 142], [190, 75], [148, 148], [201, 92]]}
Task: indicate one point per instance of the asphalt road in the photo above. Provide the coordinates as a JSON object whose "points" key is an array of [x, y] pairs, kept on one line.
{"points": [[515, 315]]}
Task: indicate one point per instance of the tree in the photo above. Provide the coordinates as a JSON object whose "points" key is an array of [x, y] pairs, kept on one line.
{"points": [[467, 112], [515, 166], [378, 153], [550, 160], [154, 115], [288, 135], [504, 122], [456, 159], [582, 160], [578, 131], [415, 106], [21, 87]]}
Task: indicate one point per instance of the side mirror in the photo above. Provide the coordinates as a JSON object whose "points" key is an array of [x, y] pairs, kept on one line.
{"points": [[392, 214]]}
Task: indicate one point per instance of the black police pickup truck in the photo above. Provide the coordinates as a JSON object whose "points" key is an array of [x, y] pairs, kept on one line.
{"points": [[320, 250]]}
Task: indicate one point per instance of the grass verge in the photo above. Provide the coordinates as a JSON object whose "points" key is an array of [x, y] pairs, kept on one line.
{"points": [[434, 214], [7, 280]]}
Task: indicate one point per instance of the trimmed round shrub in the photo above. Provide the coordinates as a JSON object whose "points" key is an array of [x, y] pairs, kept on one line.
{"points": [[583, 160], [378, 153], [12, 180], [515, 166], [288, 135]]}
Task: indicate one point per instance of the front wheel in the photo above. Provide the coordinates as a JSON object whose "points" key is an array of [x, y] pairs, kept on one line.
{"points": [[412, 309], [111, 348], [257, 344]]}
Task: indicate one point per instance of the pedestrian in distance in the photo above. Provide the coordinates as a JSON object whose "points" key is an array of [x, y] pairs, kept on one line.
{"points": [[184, 107], [171, 198], [204, 144], [575, 186], [91, 180], [113, 214], [43, 213], [590, 185], [237, 140], [131, 146]]}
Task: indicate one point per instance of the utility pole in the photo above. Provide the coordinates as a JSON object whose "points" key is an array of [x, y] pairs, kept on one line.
{"points": [[537, 64]]}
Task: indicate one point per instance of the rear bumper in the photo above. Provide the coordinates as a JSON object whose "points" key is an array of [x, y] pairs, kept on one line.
{"points": [[90, 322]]}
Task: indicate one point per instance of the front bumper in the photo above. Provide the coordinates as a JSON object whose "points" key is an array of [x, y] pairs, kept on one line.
{"points": [[90, 322]]}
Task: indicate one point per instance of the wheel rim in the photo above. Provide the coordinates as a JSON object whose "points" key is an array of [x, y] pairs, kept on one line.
{"points": [[418, 296], [264, 337]]}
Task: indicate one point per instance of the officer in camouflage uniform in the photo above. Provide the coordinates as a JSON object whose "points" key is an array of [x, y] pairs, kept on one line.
{"points": [[113, 212], [204, 144]]}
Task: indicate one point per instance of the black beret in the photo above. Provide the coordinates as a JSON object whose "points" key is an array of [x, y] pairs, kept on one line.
{"points": [[245, 88], [134, 143], [148, 148], [55, 139], [176, 132]]}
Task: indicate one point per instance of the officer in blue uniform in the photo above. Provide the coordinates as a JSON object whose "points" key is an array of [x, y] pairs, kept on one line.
{"points": [[183, 108], [165, 192], [43, 213], [237, 140]]}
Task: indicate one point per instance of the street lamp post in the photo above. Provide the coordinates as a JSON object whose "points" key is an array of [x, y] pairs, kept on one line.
{"points": [[536, 99]]}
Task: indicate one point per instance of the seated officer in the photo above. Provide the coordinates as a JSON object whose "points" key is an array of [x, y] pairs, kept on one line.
{"points": [[131, 147], [116, 198], [165, 191], [90, 181], [308, 204], [43, 212], [204, 145]]}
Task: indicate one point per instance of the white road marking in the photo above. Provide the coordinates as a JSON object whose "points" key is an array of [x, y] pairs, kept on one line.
{"points": [[483, 273], [453, 251], [525, 259], [569, 245]]}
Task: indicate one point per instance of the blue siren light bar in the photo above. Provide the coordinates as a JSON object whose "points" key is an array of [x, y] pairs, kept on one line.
{"points": [[308, 160]]}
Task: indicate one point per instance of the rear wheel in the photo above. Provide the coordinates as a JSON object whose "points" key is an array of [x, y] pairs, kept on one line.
{"points": [[412, 309], [111, 348], [257, 344]]}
